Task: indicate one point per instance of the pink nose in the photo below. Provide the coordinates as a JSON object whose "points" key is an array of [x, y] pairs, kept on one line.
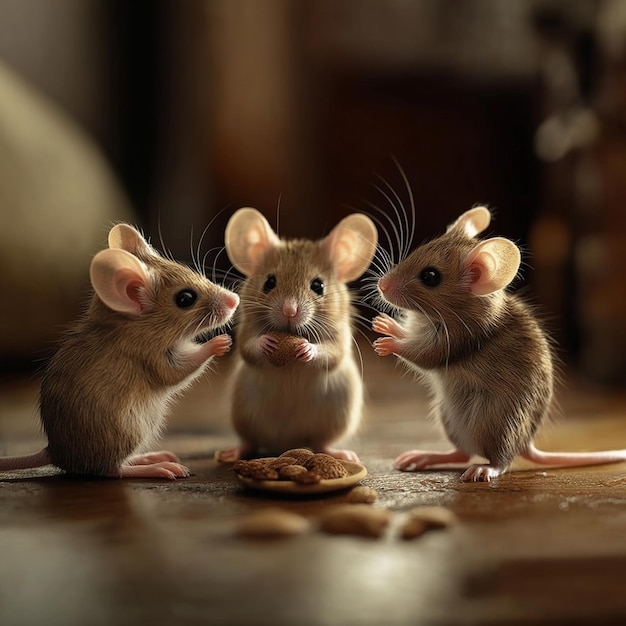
{"points": [[231, 300], [290, 308], [384, 283]]}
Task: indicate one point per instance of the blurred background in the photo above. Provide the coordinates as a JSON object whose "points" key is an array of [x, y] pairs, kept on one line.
{"points": [[171, 114]]}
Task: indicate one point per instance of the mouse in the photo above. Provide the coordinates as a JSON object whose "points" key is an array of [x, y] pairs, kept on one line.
{"points": [[481, 350], [106, 391], [296, 287]]}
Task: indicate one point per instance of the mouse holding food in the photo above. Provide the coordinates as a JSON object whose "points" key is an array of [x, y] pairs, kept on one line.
{"points": [[480, 350], [105, 393], [297, 383]]}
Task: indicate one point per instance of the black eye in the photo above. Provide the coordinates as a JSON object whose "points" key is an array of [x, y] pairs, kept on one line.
{"points": [[269, 284], [185, 298], [317, 285], [430, 277]]}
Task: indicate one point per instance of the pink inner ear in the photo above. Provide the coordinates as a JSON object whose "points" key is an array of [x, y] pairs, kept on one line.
{"points": [[475, 272], [133, 292], [128, 287]]}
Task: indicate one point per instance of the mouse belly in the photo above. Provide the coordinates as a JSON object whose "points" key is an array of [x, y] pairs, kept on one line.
{"points": [[288, 408], [479, 420]]}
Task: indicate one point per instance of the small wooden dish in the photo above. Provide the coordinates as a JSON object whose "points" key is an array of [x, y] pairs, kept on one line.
{"points": [[356, 472]]}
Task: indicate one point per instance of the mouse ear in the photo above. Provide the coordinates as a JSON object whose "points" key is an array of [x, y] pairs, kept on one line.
{"points": [[492, 265], [120, 280], [126, 237], [351, 246], [472, 222], [248, 237]]}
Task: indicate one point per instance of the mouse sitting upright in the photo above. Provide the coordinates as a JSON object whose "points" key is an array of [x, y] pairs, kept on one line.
{"points": [[297, 383], [488, 363], [105, 393]]}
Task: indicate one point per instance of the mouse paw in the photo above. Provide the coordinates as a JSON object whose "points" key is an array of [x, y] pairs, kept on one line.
{"points": [[220, 345], [386, 346], [306, 351], [268, 344], [165, 469], [386, 325], [152, 457], [480, 474], [414, 460], [232, 454], [342, 455]]}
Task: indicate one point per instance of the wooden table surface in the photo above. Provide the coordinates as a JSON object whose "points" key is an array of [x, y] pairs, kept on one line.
{"points": [[533, 547]]}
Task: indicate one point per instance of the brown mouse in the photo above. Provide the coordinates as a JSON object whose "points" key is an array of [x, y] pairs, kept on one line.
{"points": [[296, 287], [487, 361], [105, 393]]}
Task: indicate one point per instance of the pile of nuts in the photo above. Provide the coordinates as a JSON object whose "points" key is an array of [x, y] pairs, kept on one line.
{"points": [[298, 465]]}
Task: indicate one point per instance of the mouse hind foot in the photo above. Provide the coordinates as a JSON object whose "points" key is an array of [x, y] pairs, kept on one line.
{"points": [[481, 473], [152, 457], [163, 469], [231, 455], [342, 455], [415, 460]]}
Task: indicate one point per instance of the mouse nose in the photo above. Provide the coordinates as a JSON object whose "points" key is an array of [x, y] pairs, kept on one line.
{"points": [[231, 300], [384, 283], [290, 308]]}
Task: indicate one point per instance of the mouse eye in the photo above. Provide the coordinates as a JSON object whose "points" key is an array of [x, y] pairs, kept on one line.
{"points": [[317, 285], [269, 284], [185, 298], [430, 277]]}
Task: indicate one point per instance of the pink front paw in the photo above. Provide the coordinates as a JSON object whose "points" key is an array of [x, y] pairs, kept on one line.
{"points": [[220, 345], [385, 346], [386, 325], [268, 344], [306, 351]]}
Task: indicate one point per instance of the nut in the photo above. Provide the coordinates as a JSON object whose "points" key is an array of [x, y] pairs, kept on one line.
{"points": [[279, 462], [325, 465], [298, 454], [286, 349], [355, 519], [425, 518], [366, 495], [256, 469], [298, 474], [272, 524], [299, 465]]}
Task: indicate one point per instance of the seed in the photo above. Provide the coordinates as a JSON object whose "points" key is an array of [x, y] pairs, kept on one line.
{"points": [[363, 494], [425, 518], [272, 524], [355, 519], [285, 350]]}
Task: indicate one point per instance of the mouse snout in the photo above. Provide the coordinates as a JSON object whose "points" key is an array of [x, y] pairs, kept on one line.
{"points": [[290, 308], [383, 283], [388, 286], [230, 300]]}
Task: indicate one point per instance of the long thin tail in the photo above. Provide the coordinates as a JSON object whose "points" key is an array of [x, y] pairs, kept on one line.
{"points": [[39, 459], [573, 459]]}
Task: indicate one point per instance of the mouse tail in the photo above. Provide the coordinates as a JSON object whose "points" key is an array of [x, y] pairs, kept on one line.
{"points": [[29, 461], [573, 459]]}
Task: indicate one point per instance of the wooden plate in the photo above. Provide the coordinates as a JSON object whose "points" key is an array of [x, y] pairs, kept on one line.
{"points": [[356, 472]]}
